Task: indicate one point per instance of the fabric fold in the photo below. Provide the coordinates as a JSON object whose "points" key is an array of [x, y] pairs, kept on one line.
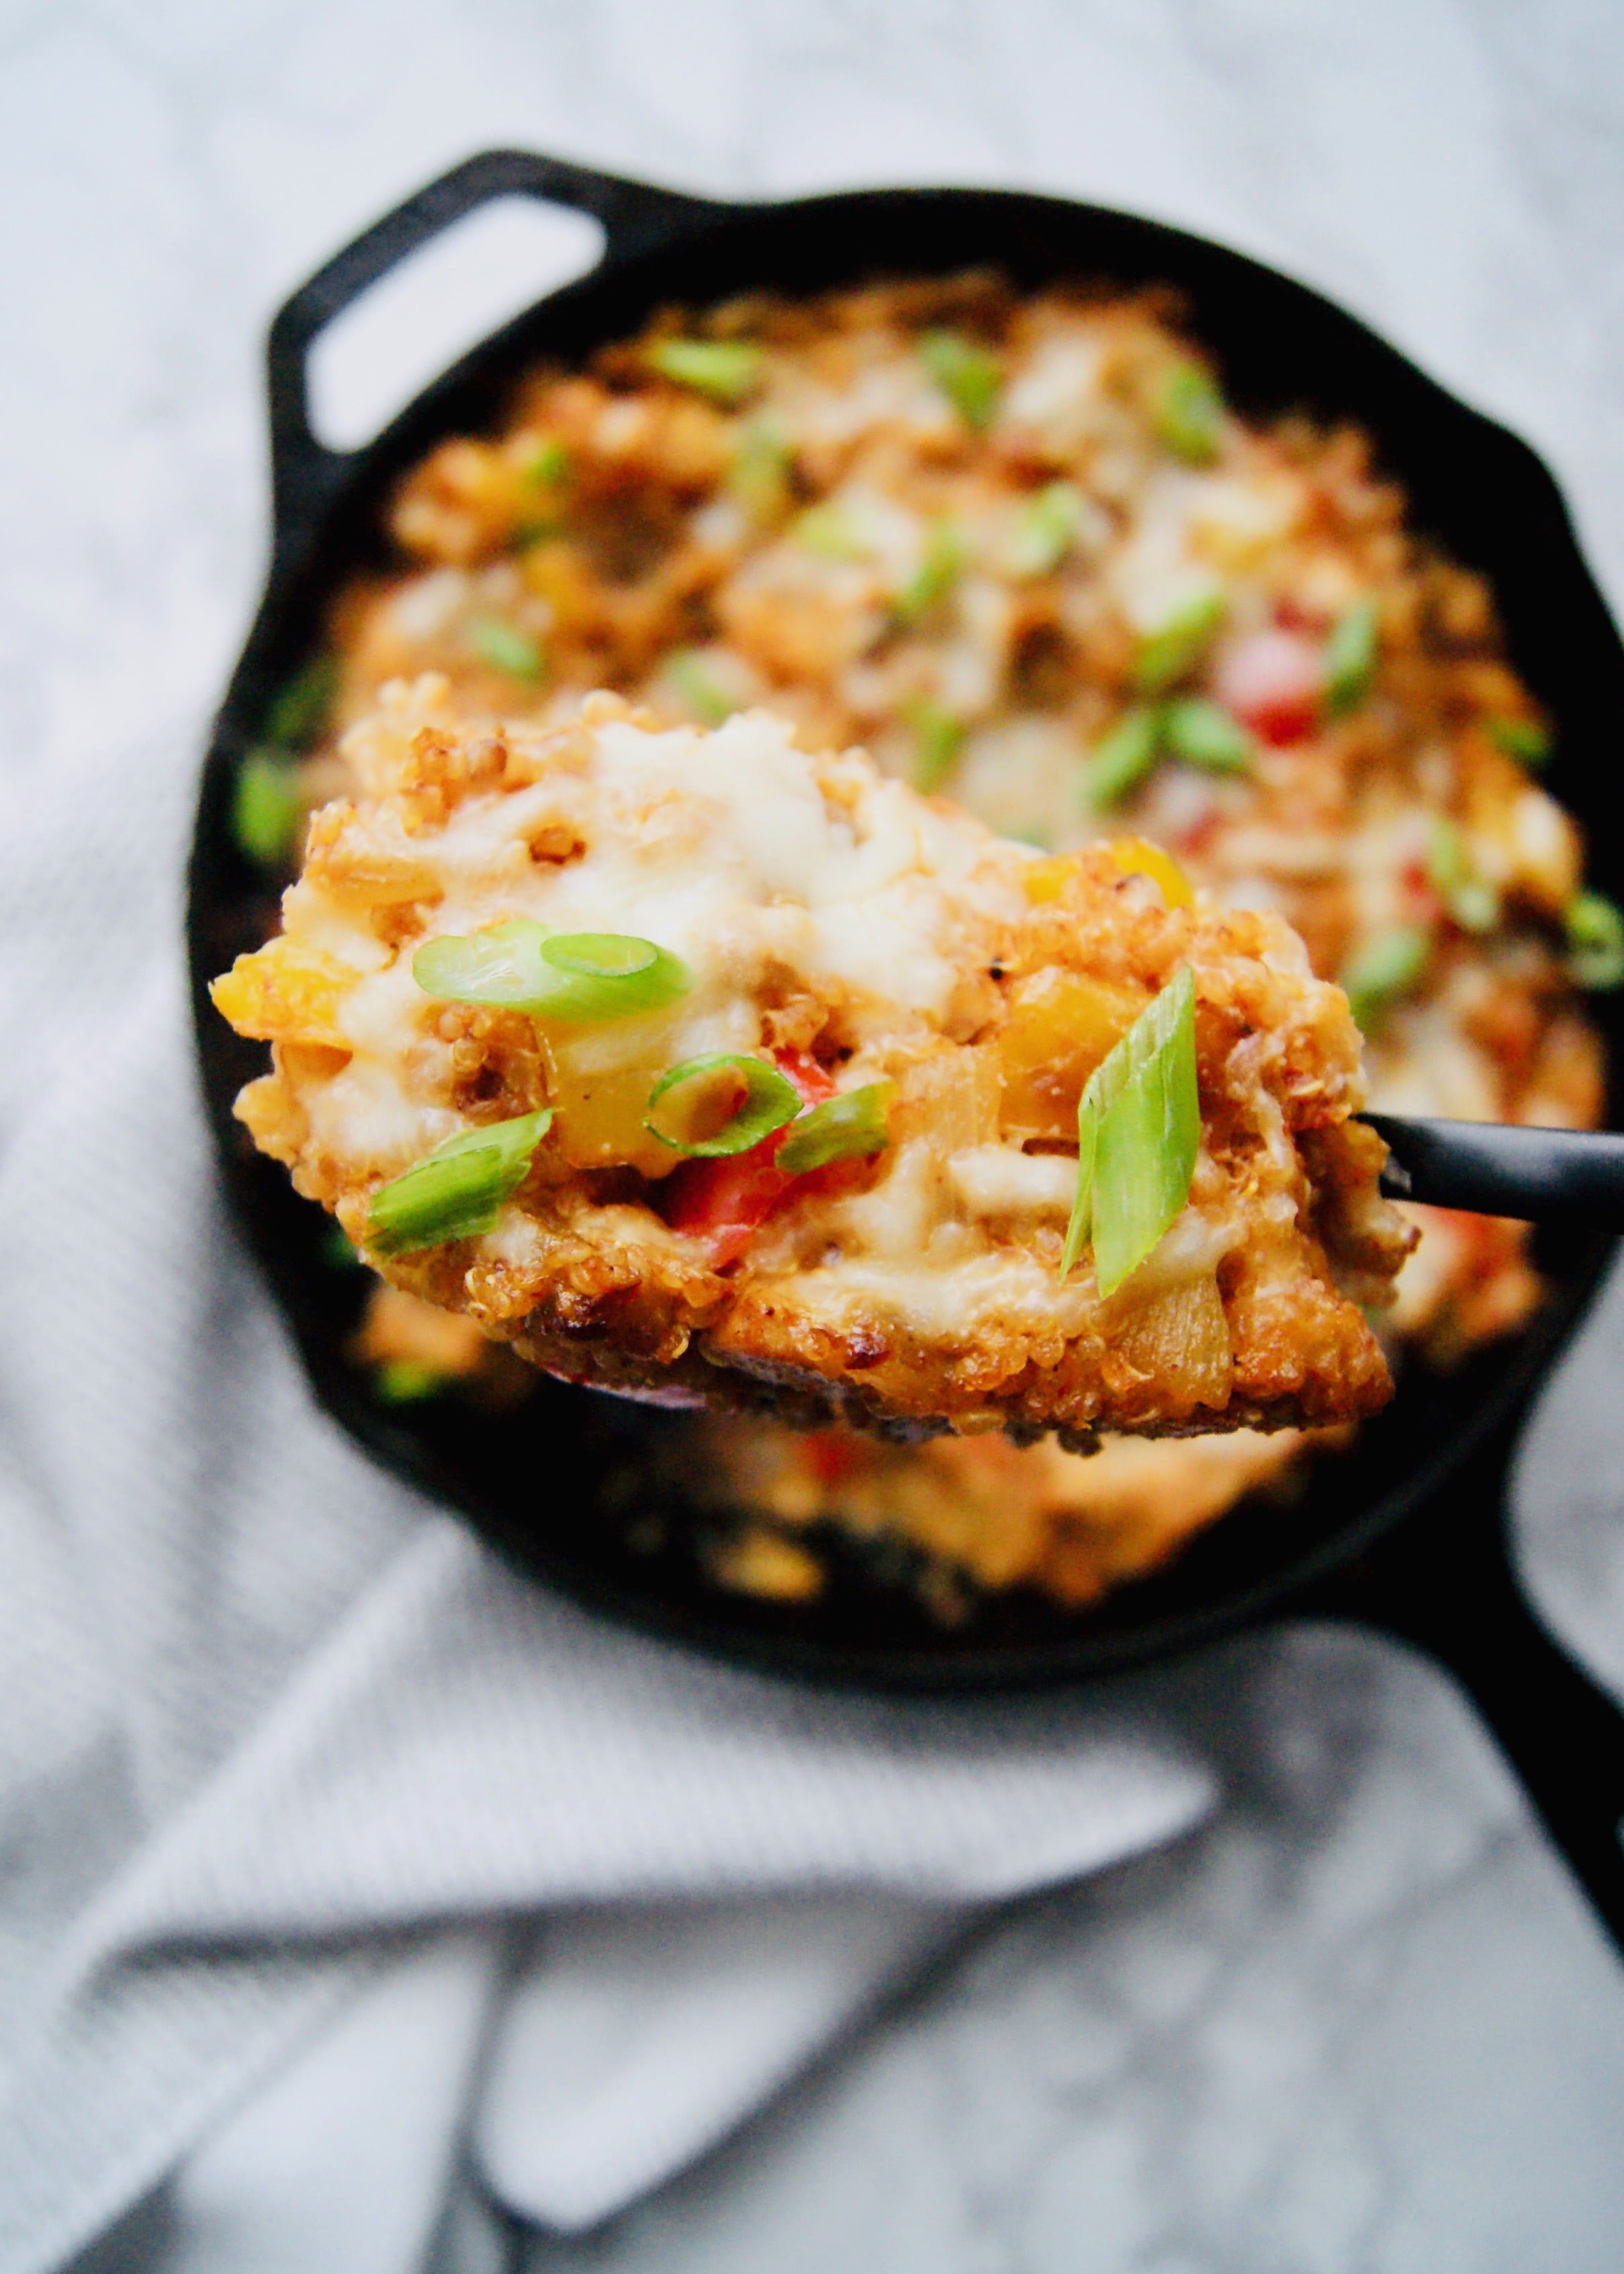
{"points": [[463, 1745], [278, 1734], [634, 2041]]}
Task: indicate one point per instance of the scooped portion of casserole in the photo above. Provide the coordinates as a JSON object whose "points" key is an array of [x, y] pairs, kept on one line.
{"points": [[686, 1061]]}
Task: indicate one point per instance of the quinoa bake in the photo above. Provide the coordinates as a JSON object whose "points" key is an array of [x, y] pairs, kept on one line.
{"points": [[812, 1132], [1020, 548]]}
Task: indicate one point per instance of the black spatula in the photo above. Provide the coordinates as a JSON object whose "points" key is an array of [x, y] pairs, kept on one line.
{"points": [[1494, 1169]]}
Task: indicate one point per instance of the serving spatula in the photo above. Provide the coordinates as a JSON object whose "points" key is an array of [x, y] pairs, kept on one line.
{"points": [[1496, 1169]]}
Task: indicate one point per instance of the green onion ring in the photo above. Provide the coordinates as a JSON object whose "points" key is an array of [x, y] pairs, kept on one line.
{"points": [[505, 648], [1206, 735], [1189, 415], [727, 371], [599, 954], [939, 738], [768, 1102], [1121, 759], [941, 564], [1384, 970], [848, 1127], [583, 978], [1046, 529], [407, 1381], [268, 809], [457, 1191], [1351, 654], [1595, 931], [1525, 740], [1179, 643], [968, 375], [1139, 1131]]}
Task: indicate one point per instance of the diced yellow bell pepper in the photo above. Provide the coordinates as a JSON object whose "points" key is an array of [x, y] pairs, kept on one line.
{"points": [[555, 570], [1047, 880], [1061, 1024], [285, 994], [1137, 856], [600, 1118]]}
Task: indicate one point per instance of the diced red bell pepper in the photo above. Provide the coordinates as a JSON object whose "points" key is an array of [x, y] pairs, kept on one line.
{"points": [[1273, 682], [813, 1080], [1422, 904], [724, 1202]]}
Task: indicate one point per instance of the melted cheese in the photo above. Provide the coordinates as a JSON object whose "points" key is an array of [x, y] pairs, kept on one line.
{"points": [[999, 1180], [721, 848], [725, 848]]}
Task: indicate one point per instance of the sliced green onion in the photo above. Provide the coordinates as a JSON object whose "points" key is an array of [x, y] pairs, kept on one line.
{"points": [[1471, 900], [1384, 969], [598, 975], [727, 370], [299, 712], [710, 704], [1046, 529], [500, 964], [267, 809], [1179, 642], [1595, 932], [941, 565], [1121, 761], [505, 648], [1446, 856], [1139, 1131], [1189, 415], [829, 529], [1525, 740], [549, 466], [1350, 657], [582, 978], [967, 375], [338, 1250], [603, 954], [458, 1191], [849, 1127], [759, 476], [406, 1381], [1475, 905], [1206, 735], [938, 741], [712, 1107]]}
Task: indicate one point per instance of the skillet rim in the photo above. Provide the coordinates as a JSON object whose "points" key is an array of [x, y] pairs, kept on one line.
{"points": [[730, 1627]]}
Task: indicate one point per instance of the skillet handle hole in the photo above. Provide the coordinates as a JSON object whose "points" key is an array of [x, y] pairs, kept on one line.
{"points": [[438, 302]]}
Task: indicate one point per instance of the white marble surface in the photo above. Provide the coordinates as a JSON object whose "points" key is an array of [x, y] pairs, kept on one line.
{"points": [[1362, 2022]]}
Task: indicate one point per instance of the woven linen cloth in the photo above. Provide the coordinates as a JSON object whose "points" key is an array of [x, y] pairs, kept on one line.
{"points": [[345, 1868]]}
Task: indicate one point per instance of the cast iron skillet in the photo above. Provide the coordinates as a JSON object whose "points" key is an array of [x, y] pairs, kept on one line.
{"points": [[1407, 1532]]}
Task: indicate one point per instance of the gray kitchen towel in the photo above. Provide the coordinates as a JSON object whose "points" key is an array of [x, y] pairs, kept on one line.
{"points": [[309, 1802]]}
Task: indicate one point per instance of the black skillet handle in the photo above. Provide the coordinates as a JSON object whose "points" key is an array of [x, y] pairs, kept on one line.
{"points": [[1444, 1580], [635, 217]]}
